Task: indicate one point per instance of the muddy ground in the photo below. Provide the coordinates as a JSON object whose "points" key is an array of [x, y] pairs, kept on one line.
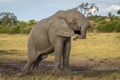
{"points": [[81, 66]]}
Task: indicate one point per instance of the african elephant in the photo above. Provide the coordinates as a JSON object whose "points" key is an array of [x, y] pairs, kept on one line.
{"points": [[53, 34]]}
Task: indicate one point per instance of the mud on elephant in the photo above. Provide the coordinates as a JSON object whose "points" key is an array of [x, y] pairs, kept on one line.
{"points": [[53, 34]]}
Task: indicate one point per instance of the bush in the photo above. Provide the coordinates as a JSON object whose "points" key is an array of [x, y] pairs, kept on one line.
{"points": [[107, 27], [4, 29], [14, 30], [102, 22], [26, 30], [19, 29], [99, 19], [117, 28], [22, 27]]}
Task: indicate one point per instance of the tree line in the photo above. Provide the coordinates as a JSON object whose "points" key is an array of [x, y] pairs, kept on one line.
{"points": [[10, 24]]}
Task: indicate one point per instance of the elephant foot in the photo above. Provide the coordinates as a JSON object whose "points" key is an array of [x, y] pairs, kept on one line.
{"points": [[23, 73]]}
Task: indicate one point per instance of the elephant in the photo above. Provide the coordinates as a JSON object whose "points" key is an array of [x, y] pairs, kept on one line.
{"points": [[53, 34]]}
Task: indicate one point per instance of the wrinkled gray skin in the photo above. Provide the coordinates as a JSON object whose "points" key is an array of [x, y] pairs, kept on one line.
{"points": [[53, 34]]}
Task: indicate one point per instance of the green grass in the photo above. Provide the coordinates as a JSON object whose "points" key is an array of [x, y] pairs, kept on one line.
{"points": [[102, 47]]}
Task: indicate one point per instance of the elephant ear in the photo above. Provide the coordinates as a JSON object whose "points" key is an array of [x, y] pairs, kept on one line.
{"points": [[62, 29]]}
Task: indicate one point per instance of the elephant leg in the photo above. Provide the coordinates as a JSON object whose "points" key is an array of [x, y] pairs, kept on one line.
{"points": [[66, 53], [32, 56], [58, 49], [28, 65]]}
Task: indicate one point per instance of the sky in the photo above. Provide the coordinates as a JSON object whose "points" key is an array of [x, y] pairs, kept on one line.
{"points": [[39, 9]]}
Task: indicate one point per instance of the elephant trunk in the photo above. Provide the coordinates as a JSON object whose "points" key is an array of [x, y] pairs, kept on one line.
{"points": [[82, 31]]}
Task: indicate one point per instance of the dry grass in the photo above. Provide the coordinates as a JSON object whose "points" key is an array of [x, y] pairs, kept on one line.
{"points": [[13, 46], [99, 47]]}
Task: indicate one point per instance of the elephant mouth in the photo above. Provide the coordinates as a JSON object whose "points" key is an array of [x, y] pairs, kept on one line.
{"points": [[77, 32]]}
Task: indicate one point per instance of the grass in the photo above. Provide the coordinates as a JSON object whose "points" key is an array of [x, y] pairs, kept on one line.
{"points": [[100, 46], [97, 48], [12, 46]]}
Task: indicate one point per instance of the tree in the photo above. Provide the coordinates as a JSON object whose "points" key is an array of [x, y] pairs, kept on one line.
{"points": [[7, 18], [32, 22], [118, 12], [92, 9], [87, 9], [109, 14], [83, 7]]}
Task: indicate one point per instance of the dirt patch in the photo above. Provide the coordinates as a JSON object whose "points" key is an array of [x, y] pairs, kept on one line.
{"points": [[82, 67]]}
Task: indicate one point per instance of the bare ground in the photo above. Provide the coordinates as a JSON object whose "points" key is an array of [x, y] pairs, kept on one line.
{"points": [[83, 66]]}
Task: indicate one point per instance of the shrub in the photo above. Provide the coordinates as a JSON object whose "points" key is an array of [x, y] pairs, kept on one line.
{"points": [[99, 19], [102, 22], [22, 27], [107, 27], [14, 30], [26, 30], [117, 27], [4, 29]]}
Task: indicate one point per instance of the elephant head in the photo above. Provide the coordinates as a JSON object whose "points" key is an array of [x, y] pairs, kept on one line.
{"points": [[75, 21]]}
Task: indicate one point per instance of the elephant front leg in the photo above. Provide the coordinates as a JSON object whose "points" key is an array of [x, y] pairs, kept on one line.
{"points": [[66, 54], [58, 48]]}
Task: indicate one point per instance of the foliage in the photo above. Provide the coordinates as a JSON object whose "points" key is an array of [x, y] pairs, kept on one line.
{"points": [[32, 22], [4, 29], [14, 30], [21, 27], [118, 12], [10, 24], [7, 18], [26, 30], [105, 24], [97, 18], [109, 14], [117, 27], [108, 27], [86, 8]]}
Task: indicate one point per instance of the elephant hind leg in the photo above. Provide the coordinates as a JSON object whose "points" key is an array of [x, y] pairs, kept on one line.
{"points": [[32, 56], [29, 64]]}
